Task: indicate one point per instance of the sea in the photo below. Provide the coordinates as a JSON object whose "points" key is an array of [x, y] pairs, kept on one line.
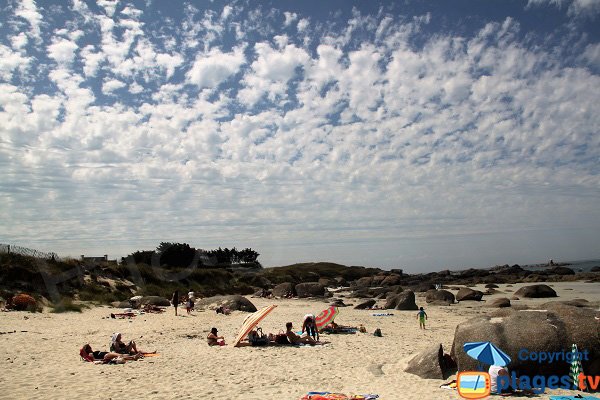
{"points": [[577, 266]]}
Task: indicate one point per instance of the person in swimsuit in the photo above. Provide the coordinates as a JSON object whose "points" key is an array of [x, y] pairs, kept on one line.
{"points": [[214, 340], [105, 356], [295, 338], [421, 316], [117, 346], [309, 325]]}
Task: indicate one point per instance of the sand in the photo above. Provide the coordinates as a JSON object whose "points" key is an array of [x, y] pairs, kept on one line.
{"points": [[40, 360]]}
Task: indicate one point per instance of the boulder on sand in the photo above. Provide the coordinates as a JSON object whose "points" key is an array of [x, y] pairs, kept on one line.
{"points": [[233, 302], [310, 289], [283, 289], [469, 294], [402, 301], [439, 296], [24, 302], [536, 291], [548, 331], [430, 363], [154, 301], [365, 305], [500, 303]]}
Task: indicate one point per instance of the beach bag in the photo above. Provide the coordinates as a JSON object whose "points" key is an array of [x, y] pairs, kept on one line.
{"points": [[377, 333], [258, 338]]}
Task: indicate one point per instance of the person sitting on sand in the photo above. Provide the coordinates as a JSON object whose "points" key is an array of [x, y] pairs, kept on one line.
{"points": [[118, 346], [295, 338], [214, 340], [496, 372], [105, 356]]}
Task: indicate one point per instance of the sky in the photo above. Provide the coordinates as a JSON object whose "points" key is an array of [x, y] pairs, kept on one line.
{"points": [[421, 135]]}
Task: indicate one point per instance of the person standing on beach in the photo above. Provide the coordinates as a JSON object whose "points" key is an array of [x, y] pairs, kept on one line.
{"points": [[190, 301], [309, 325], [421, 316], [175, 300]]}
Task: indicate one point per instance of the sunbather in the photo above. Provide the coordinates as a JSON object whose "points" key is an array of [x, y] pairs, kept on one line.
{"points": [[223, 310], [297, 339], [118, 346], [104, 356]]}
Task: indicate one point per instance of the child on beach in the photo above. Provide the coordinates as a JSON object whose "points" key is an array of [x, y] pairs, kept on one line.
{"points": [[421, 316]]}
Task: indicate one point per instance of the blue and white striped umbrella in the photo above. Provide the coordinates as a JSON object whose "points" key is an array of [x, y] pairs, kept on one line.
{"points": [[486, 353]]}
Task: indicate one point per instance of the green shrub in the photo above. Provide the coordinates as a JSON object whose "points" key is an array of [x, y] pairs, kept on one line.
{"points": [[66, 305]]}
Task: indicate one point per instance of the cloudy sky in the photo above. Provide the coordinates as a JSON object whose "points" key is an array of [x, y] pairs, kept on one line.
{"points": [[416, 134]]}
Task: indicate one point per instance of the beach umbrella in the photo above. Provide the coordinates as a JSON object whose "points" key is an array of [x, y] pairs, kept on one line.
{"points": [[325, 317], [486, 353], [576, 367], [251, 321]]}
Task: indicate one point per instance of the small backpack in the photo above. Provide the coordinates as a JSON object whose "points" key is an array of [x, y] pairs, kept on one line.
{"points": [[258, 338], [377, 333]]}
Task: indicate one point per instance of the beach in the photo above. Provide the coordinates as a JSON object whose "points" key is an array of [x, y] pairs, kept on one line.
{"points": [[40, 352]]}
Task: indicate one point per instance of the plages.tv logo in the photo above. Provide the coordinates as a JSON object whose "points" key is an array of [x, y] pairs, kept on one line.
{"points": [[473, 385], [479, 384]]}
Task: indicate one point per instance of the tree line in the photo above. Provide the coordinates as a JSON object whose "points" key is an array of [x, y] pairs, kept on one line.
{"points": [[169, 254]]}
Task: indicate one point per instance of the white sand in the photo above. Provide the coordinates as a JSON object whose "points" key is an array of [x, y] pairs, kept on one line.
{"points": [[40, 360]]}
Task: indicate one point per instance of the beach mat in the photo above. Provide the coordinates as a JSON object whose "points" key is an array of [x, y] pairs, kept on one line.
{"points": [[337, 396], [574, 398], [382, 314]]}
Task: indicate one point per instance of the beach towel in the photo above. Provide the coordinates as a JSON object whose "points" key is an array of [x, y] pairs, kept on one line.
{"points": [[122, 315], [574, 398], [382, 314], [337, 396], [449, 386], [85, 356], [341, 330]]}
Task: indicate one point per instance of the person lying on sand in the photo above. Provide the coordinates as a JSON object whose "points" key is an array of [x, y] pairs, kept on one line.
{"points": [[297, 339], [223, 310], [105, 356], [214, 340], [118, 346]]}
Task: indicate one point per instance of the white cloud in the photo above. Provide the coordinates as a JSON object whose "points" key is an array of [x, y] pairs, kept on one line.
{"points": [[271, 71], [212, 68], [395, 133], [591, 55], [19, 41], [92, 60], [109, 6], [11, 61], [135, 88], [62, 51], [227, 10], [575, 8], [169, 62], [289, 18], [303, 25], [111, 85], [28, 10]]}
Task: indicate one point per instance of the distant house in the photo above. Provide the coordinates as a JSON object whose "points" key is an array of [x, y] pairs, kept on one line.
{"points": [[93, 260]]}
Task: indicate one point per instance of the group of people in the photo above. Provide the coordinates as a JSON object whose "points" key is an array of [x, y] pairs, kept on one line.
{"points": [[189, 302], [309, 334], [119, 351]]}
